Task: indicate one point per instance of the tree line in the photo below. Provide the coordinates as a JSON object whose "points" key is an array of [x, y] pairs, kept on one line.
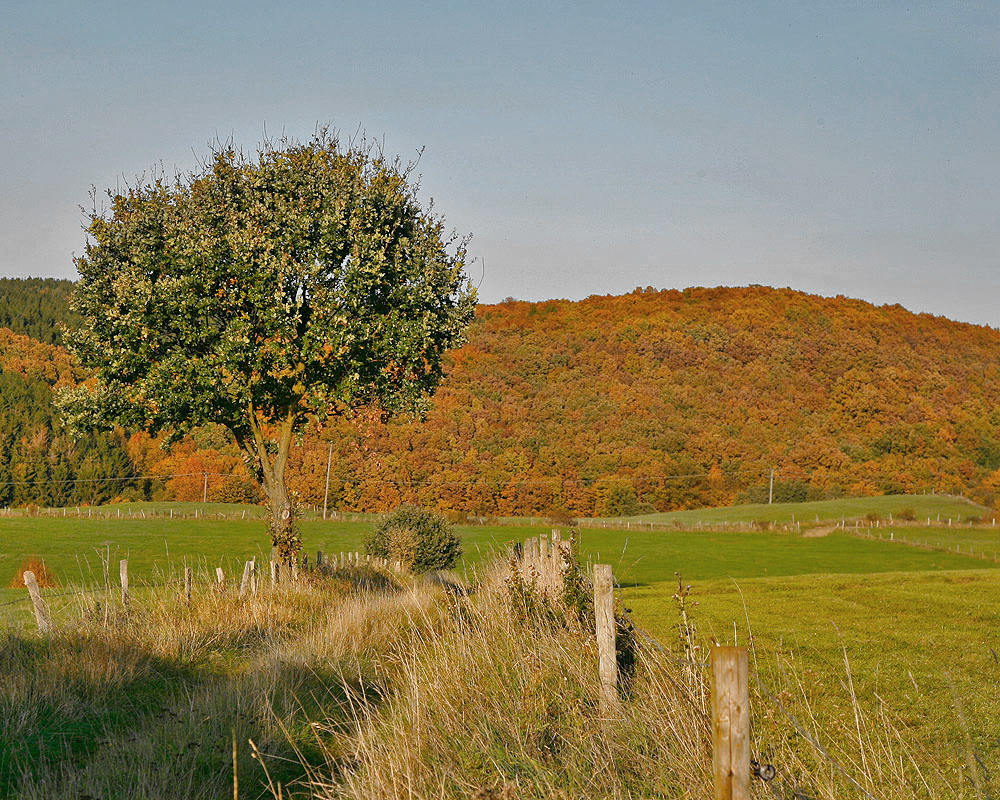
{"points": [[652, 400]]}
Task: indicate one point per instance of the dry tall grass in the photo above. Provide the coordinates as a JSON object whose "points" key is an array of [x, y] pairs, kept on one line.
{"points": [[503, 702], [360, 686], [146, 702]]}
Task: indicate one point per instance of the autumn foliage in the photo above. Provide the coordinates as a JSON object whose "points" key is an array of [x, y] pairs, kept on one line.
{"points": [[657, 400], [43, 575], [682, 398]]}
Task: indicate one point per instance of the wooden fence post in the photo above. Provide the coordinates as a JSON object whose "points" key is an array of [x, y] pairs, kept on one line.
{"points": [[319, 559], [544, 564], [604, 613], [220, 578], [731, 722], [41, 612], [274, 573], [556, 564], [188, 580], [245, 582], [123, 574]]}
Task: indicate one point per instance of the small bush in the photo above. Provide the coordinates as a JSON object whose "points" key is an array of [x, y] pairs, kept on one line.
{"points": [[907, 514], [422, 540], [873, 516], [45, 577]]}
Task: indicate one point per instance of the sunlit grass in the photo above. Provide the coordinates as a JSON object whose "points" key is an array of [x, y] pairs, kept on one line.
{"points": [[923, 506]]}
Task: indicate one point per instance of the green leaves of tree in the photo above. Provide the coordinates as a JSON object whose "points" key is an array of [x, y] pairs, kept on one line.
{"points": [[304, 281]]}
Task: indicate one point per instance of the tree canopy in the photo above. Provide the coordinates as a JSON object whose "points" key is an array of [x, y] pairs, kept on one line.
{"points": [[263, 292]]}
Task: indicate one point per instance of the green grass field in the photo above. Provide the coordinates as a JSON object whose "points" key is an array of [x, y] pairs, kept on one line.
{"points": [[84, 552], [77, 549], [983, 541], [922, 645], [822, 510]]}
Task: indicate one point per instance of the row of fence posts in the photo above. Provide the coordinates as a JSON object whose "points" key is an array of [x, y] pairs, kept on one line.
{"points": [[544, 562], [249, 582]]}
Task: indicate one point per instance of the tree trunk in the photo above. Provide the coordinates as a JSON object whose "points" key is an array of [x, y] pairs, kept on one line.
{"points": [[285, 539]]}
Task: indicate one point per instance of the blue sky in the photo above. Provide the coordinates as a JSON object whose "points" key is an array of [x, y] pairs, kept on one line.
{"points": [[841, 148]]}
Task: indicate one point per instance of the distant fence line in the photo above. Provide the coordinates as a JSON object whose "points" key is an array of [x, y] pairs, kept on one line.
{"points": [[249, 581], [105, 513], [985, 555], [313, 513]]}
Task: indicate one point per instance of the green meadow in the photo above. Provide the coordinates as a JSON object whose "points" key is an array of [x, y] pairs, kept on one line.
{"points": [[981, 541], [78, 550], [920, 647], [922, 506], [83, 552]]}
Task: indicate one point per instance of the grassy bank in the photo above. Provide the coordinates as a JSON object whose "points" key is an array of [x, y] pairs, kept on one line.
{"points": [[148, 702]]}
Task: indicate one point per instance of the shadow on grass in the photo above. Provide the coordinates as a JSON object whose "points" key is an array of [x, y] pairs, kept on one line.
{"points": [[86, 714], [60, 696]]}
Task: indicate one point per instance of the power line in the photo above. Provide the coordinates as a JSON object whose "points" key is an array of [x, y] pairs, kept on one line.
{"points": [[46, 482]]}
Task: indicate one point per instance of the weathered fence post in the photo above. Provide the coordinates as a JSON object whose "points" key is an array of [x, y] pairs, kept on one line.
{"points": [[245, 582], [556, 564], [533, 558], [220, 578], [41, 612], [604, 614], [123, 574], [274, 573], [319, 559], [544, 564], [188, 580], [731, 722]]}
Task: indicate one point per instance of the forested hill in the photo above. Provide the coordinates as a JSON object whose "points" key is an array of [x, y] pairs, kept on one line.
{"points": [[554, 403], [663, 400]]}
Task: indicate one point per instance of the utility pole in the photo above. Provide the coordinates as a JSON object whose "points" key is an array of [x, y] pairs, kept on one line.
{"points": [[770, 489], [326, 494], [204, 487]]}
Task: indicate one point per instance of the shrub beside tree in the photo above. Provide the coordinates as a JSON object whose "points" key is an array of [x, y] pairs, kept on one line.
{"points": [[422, 540]]}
